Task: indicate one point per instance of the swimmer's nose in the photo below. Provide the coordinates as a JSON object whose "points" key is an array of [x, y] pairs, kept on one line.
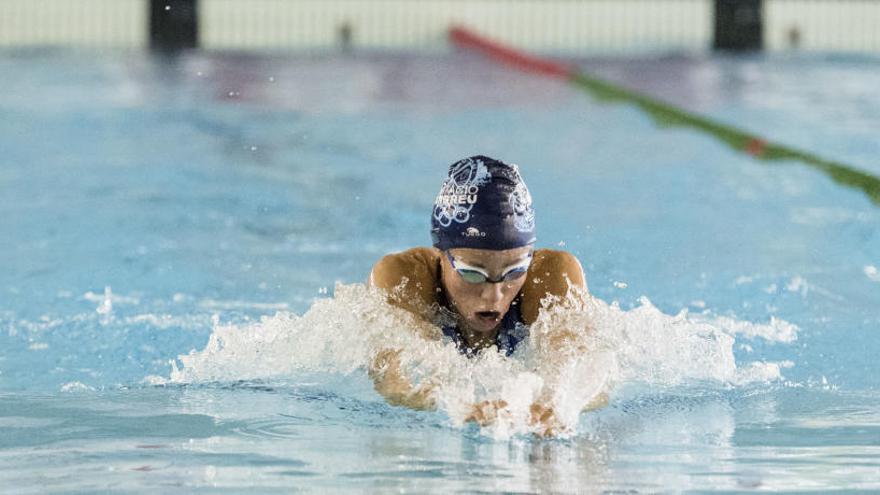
{"points": [[492, 293]]}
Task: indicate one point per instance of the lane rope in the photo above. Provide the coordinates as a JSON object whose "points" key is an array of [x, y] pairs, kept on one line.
{"points": [[665, 114]]}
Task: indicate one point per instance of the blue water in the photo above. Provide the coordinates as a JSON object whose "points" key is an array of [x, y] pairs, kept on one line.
{"points": [[147, 203]]}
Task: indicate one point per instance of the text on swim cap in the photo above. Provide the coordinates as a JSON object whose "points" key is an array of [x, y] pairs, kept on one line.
{"points": [[457, 195]]}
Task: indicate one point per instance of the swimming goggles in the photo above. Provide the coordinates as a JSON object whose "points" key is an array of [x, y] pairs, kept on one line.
{"points": [[474, 275]]}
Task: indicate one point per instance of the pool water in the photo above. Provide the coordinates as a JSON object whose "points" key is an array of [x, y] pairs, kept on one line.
{"points": [[185, 240]]}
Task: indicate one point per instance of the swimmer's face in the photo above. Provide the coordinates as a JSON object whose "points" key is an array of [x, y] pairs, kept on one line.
{"points": [[483, 305]]}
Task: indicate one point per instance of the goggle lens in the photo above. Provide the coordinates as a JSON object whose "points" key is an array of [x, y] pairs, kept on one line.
{"points": [[478, 277], [472, 277], [514, 274]]}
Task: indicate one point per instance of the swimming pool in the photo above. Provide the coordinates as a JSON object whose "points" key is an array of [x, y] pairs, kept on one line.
{"points": [[207, 206]]}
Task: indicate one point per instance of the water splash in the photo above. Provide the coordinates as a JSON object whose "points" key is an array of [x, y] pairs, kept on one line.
{"points": [[603, 347]]}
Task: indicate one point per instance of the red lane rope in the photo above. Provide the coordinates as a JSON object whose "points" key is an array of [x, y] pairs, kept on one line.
{"points": [[466, 38], [756, 147]]}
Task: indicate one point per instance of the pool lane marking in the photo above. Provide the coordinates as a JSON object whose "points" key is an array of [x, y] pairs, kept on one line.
{"points": [[665, 114]]}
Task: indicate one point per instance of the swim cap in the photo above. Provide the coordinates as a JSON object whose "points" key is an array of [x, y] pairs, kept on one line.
{"points": [[483, 204]]}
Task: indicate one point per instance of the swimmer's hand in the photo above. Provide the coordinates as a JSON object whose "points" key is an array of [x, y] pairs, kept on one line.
{"points": [[542, 418], [544, 421], [547, 424], [390, 382], [485, 413], [599, 401]]}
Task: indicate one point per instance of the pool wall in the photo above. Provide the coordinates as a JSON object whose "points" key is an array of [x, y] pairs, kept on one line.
{"points": [[561, 26]]}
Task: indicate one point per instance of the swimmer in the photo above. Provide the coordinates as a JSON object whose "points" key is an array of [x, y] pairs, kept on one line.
{"points": [[482, 283]]}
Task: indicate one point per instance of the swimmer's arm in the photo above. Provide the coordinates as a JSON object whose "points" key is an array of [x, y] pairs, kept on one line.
{"points": [[553, 274], [409, 279], [389, 381]]}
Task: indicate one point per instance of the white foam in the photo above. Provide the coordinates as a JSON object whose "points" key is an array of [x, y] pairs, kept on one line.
{"points": [[798, 284], [162, 321], [107, 299], [155, 380], [215, 304], [606, 346], [671, 350], [76, 387], [827, 216], [777, 330]]}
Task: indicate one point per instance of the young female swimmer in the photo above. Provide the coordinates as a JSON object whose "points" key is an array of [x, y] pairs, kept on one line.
{"points": [[482, 283]]}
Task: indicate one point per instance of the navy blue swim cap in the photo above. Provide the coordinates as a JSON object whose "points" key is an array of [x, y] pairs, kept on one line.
{"points": [[483, 204]]}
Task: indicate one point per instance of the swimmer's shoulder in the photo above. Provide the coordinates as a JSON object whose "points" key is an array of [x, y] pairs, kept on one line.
{"points": [[551, 273], [392, 269], [411, 278]]}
